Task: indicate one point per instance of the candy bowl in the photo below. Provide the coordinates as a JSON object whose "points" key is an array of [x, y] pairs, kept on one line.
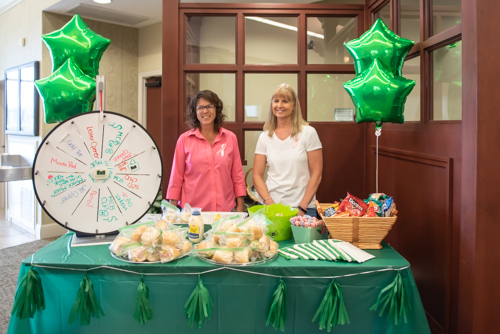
{"points": [[306, 229]]}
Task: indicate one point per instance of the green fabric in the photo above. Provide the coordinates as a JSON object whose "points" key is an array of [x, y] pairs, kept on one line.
{"points": [[143, 311], [276, 313], [241, 299], [29, 296], [332, 311], [198, 308], [395, 296], [86, 304]]}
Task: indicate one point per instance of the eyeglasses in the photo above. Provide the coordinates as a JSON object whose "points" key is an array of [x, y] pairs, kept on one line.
{"points": [[208, 107]]}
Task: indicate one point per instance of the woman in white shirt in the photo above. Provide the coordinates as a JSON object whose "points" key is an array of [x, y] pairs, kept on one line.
{"points": [[293, 151]]}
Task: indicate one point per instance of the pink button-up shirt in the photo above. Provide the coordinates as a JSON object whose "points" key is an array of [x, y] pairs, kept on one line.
{"points": [[204, 175]]}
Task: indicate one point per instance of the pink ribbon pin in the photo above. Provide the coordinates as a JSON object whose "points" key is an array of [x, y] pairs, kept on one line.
{"points": [[221, 151]]}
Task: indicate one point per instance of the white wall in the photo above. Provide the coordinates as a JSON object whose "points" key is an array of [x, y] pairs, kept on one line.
{"points": [[150, 48]]}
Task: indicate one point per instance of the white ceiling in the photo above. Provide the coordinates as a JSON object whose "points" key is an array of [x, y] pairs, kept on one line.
{"points": [[131, 13]]}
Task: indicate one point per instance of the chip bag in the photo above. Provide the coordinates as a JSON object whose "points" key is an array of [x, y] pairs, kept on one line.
{"points": [[354, 204]]}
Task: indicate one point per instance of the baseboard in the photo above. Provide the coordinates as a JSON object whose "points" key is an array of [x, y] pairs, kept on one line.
{"points": [[52, 230]]}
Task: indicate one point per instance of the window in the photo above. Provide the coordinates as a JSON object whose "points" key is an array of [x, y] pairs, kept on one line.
{"points": [[447, 73], [21, 102], [243, 52], [435, 61]]}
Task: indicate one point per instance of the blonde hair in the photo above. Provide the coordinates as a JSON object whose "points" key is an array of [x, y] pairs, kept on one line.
{"points": [[286, 91]]}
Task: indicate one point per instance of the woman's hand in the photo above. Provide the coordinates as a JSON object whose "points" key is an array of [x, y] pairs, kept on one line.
{"points": [[259, 167], [315, 162], [240, 204]]}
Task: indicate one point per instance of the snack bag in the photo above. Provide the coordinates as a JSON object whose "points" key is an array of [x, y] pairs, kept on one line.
{"points": [[354, 204], [256, 225], [134, 232], [343, 214], [376, 205], [150, 236], [387, 207], [169, 253], [163, 224], [174, 237], [171, 214], [186, 214], [330, 211], [370, 212], [138, 254], [378, 197], [117, 245]]}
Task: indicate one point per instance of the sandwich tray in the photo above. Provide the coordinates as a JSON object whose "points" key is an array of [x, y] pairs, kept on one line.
{"points": [[145, 262], [249, 264]]}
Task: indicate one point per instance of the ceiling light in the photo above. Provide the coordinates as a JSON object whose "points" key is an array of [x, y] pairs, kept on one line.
{"points": [[103, 1], [281, 25]]}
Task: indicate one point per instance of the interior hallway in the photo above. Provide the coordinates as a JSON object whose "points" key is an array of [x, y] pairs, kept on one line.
{"points": [[12, 235]]}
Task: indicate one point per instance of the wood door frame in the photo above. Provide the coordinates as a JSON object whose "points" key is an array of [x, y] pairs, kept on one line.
{"points": [[142, 114]]}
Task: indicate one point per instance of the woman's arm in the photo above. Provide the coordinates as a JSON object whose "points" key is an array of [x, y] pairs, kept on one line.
{"points": [[237, 176], [240, 204], [259, 167], [315, 162], [176, 174]]}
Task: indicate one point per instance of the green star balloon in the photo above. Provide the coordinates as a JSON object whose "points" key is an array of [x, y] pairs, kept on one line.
{"points": [[66, 92], [379, 42], [378, 95], [76, 41]]}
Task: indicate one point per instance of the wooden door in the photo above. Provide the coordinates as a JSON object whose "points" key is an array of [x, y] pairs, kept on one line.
{"points": [[153, 109]]}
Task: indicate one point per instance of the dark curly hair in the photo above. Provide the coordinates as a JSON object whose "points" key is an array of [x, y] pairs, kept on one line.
{"points": [[192, 119]]}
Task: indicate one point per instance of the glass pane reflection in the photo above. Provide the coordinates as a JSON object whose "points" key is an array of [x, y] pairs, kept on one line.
{"points": [[27, 105], [448, 82], [12, 103], [222, 84], [384, 14], [410, 20], [326, 37], [210, 40], [411, 71], [270, 40], [446, 14], [327, 100], [258, 92]]}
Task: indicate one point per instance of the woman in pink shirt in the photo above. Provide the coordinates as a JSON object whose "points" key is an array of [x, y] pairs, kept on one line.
{"points": [[207, 171]]}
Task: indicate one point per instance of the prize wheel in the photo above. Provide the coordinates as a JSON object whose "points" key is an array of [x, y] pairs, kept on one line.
{"points": [[96, 173]]}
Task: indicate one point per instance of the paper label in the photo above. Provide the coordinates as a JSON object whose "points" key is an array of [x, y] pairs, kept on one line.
{"points": [[194, 231]]}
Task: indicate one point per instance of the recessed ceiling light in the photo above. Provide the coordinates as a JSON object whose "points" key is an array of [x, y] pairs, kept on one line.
{"points": [[103, 1]]}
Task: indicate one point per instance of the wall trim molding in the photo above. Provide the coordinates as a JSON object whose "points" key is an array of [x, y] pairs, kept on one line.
{"points": [[412, 156], [52, 230], [5, 5], [142, 98]]}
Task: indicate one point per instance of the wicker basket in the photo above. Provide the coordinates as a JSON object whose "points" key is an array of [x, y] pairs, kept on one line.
{"points": [[362, 232], [251, 192]]}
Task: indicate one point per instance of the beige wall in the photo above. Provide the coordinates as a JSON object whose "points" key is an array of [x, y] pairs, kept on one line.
{"points": [[24, 20], [150, 48]]}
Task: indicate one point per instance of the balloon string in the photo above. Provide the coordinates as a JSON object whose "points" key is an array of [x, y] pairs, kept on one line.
{"points": [[376, 169]]}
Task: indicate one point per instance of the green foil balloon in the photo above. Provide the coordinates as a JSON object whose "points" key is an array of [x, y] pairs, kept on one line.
{"points": [[379, 42], [76, 41], [66, 92], [378, 95]]}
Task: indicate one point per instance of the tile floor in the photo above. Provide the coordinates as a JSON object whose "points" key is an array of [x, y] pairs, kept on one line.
{"points": [[12, 235]]}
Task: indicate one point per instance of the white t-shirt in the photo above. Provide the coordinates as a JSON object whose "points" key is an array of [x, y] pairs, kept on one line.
{"points": [[288, 173]]}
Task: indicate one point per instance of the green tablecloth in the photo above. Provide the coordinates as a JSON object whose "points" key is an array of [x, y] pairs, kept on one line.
{"points": [[241, 298]]}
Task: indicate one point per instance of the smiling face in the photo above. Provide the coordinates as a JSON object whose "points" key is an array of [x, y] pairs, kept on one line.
{"points": [[282, 107], [205, 112]]}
